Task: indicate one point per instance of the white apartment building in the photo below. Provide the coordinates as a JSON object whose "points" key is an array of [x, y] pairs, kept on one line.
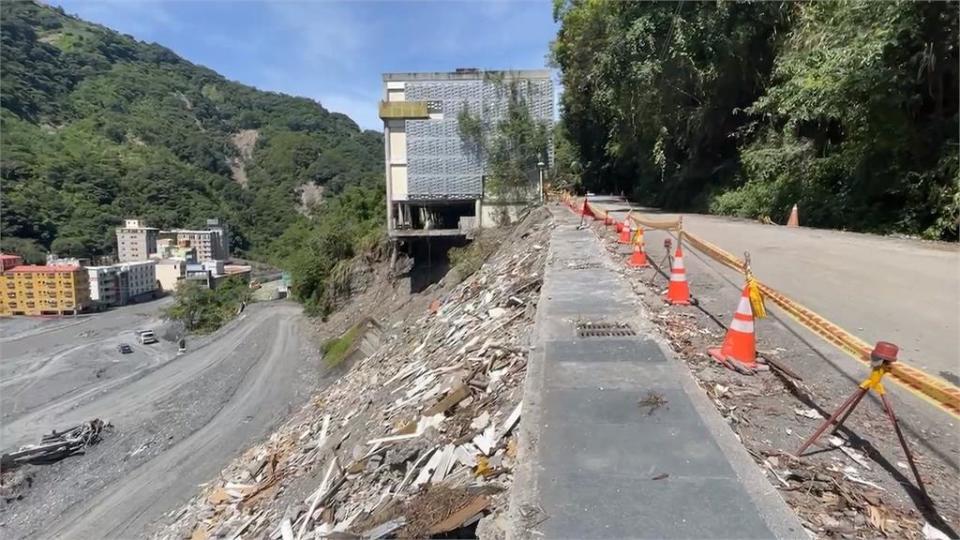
{"points": [[138, 278], [116, 284], [104, 284]]}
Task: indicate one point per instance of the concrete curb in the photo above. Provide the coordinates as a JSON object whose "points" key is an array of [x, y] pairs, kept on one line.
{"points": [[525, 513]]}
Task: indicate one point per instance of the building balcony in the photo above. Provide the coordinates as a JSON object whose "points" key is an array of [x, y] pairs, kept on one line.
{"points": [[401, 110]]}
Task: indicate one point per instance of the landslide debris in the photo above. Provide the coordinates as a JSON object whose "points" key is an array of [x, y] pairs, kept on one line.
{"points": [[416, 439]]}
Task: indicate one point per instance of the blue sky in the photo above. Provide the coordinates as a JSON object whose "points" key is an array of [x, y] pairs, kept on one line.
{"points": [[334, 52]]}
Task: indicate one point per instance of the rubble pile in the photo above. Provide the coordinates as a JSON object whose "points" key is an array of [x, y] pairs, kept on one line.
{"points": [[834, 502], [416, 439], [56, 445]]}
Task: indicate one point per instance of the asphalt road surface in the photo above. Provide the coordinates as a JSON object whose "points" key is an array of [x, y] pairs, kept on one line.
{"points": [[878, 288], [178, 419]]}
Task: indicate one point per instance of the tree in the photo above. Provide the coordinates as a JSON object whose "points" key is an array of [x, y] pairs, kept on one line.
{"points": [[849, 108]]}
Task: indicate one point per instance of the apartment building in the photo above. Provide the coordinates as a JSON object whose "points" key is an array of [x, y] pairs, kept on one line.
{"points": [[118, 284], [136, 241], [104, 284], [208, 243], [138, 279], [435, 177], [45, 290]]}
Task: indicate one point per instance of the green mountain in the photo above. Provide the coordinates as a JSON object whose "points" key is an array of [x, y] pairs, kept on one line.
{"points": [[97, 126]]}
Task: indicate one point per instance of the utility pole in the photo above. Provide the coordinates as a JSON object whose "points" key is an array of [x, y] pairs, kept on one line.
{"points": [[540, 166]]}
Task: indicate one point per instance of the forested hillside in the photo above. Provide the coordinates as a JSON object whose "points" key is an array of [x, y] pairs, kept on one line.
{"points": [[848, 108], [97, 126]]}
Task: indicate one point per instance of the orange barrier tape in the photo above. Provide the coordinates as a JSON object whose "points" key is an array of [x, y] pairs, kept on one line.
{"points": [[932, 389], [663, 225], [928, 387]]}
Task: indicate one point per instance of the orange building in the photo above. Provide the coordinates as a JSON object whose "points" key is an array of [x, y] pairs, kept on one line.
{"points": [[45, 290]]}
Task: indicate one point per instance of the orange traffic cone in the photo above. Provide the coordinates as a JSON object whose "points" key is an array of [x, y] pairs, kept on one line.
{"points": [[625, 233], [679, 290], [739, 348], [794, 220], [639, 257]]}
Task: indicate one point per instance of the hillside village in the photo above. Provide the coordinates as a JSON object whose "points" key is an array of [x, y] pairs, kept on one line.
{"points": [[150, 263]]}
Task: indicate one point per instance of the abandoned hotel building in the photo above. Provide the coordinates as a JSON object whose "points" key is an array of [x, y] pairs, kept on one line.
{"points": [[435, 178]]}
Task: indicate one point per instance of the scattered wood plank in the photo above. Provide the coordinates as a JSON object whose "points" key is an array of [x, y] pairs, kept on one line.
{"points": [[458, 518]]}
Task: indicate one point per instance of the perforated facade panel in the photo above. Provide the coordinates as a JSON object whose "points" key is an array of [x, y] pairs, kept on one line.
{"points": [[440, 165]]}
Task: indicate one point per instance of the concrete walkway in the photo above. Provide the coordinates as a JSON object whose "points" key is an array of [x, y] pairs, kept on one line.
{"points": [[617, 440]]}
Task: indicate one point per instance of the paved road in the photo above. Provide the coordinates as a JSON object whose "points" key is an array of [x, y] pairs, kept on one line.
{"points": [[878, 288], [179, 421], [595, 464]]}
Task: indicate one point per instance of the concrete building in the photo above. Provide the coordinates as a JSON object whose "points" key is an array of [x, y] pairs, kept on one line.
{"points": [[137, 279], [212, 274], [168, 248], [435, 177], [136, 241], [223, 236], [104, 284], [208, 243], [45, 290], [119, 284], [170, 272]]}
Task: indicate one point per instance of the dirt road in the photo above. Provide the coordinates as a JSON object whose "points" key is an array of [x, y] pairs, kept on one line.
{"points": [[178, 420]]}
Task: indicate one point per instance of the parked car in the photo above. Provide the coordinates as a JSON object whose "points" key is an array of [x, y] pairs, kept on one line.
{"points": [[124, 348], [147, 337]]}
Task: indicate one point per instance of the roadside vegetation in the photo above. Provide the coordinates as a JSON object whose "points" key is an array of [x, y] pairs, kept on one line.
{"points": [[203, 310], [468, 259], [317, 250], [744, 108], [336, 350]]}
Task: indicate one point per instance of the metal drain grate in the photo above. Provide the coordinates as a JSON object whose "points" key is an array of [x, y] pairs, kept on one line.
{"points": [[604, 329]]}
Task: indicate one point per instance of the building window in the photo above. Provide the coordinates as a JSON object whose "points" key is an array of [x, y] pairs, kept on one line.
{"points": [[11, 295], [12, 304]]}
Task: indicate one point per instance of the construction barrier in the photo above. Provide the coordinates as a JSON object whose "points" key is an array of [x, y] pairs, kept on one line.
{"points": [[930, 388]]}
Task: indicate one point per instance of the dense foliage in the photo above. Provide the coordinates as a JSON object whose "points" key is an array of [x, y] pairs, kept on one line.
{"points": [[202, 310], [849, 108], [318, 251], [97, 126]]}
